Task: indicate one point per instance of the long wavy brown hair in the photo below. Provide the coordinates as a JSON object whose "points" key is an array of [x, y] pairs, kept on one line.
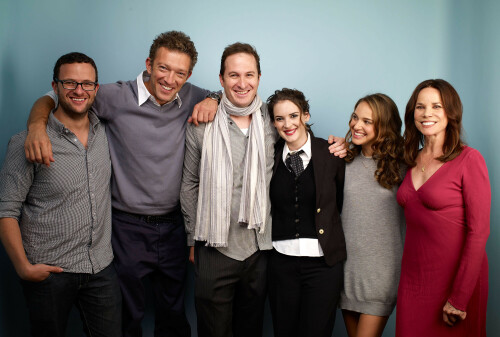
{"points": [[388, 144], [452, 105]]}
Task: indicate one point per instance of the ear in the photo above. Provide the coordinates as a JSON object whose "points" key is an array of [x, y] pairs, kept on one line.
{"points": [[54, 87], [149, 65], [96, 88], [306, 116], [221, 80], [189, 75]]}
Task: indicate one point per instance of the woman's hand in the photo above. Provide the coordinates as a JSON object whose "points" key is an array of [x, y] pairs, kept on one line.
{"points": [[452, 314]]}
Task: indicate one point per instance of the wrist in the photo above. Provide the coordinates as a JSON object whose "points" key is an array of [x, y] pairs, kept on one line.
{"points": [[215, 95], [23, 270], [37, 126]]}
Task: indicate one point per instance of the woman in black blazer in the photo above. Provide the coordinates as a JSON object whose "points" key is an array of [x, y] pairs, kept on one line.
{"points": [[305, 267]]}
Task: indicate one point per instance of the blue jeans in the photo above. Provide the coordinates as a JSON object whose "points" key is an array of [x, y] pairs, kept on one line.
{"points": [[97, 297]]}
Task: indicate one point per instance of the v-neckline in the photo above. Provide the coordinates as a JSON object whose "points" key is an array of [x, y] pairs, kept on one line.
{"points": [[425, 182]]}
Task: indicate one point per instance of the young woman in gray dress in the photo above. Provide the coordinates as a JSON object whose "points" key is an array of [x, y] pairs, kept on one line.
{"points": [[373, 221]]}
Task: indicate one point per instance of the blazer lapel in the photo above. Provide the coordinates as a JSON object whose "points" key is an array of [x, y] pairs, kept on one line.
{"points": [[319, 159], [278, 153]]}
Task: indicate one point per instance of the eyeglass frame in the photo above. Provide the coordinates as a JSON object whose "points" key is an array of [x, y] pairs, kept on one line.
{"points": [[77, 84]]}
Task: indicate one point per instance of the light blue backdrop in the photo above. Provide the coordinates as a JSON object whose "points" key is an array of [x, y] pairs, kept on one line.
{"points": [[334, 51]]}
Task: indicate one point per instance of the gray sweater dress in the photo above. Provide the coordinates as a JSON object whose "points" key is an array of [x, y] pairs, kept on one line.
{"points": [[374, 228]]}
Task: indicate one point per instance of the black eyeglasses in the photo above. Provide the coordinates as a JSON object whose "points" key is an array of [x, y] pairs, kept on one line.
{"points": [[72, 85]]}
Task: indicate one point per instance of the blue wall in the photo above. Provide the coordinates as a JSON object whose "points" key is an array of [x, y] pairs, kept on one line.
{"points": [[334, 51]]}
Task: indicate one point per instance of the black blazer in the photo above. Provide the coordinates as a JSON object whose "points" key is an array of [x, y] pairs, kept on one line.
{"points": [[329, 172]]}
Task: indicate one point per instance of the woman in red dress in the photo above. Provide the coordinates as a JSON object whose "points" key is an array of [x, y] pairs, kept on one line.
{"points": [[446, 196]]}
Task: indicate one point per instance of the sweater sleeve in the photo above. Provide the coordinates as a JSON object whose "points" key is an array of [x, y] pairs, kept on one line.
{"points": [[477, 201]]}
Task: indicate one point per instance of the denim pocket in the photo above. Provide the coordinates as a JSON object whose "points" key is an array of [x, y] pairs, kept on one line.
{"points": [[45, 280]]}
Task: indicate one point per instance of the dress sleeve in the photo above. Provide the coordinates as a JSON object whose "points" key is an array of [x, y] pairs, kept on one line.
{"points": [[477, 201]]}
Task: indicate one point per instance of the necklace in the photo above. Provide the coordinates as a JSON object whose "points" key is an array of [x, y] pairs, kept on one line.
{"points": [[363, 160], [423, 166]]}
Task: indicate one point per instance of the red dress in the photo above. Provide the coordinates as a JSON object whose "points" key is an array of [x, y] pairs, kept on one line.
{"points": [[444, 257]]}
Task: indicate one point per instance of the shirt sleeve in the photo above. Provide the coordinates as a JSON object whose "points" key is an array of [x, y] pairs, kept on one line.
{"points": [[190, 181], [16, 178], [477, 200], [53, 95]]}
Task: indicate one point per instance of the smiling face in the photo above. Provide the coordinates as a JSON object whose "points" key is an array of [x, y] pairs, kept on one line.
{"points": [[290, 122], [77, 101], [430, 117], [362, 128], [169, 70], [240, 79]]}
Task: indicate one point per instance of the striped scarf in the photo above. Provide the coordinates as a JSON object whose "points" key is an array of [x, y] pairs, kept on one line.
{"points": [[216, 176]]}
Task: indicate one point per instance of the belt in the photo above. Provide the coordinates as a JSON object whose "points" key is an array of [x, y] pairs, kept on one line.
{"points": [[168, 217]]}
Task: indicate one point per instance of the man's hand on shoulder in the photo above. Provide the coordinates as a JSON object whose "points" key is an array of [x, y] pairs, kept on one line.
{"points": [[37, 272], [204, 111], [37, 146], [338, 146]]}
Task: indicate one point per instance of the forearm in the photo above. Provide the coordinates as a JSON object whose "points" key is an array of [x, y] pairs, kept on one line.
{"points": [[39, 113], [471, 268], [10, 235], [476, 193]]}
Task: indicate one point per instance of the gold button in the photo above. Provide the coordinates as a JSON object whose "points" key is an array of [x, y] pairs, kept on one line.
{"points": [[318, 210], [321, 231]]}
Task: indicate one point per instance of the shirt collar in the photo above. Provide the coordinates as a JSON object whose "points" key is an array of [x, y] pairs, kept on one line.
{"points": [[143, 93], [55, 124], [306, 148]]}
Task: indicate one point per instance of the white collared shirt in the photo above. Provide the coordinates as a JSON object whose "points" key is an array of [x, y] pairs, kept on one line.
{"points": [[300, 246], [143, 93], [305, 156]]}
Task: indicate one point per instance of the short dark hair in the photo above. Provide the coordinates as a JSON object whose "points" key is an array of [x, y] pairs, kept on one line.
{"points": [[70, 58], [295, 96], [237, 48], [175, 41], [452, 105]]}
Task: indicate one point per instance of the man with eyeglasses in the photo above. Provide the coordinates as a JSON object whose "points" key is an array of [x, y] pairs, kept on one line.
{"points": [[146, 121], [55, 222]]}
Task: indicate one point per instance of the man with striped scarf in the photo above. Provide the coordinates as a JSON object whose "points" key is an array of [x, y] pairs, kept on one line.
{"points": [[225, 200]]}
